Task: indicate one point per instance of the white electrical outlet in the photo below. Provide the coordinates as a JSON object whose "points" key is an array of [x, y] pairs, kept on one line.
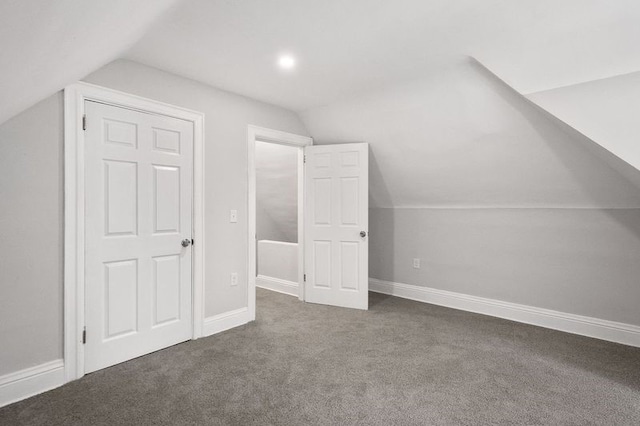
{"points": [[233, 216], [234, 278], [416, 263]]}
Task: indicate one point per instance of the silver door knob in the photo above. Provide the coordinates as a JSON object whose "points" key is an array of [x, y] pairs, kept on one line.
{"points": [[363, 234], [186, 242]]}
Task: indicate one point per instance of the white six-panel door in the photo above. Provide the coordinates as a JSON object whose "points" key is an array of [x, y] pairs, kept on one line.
{"points": [[138, 207], [336, 213]]}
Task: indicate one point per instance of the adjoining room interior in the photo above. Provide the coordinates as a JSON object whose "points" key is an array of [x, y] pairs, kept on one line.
{"points": [[277, 217], [320, 212]]}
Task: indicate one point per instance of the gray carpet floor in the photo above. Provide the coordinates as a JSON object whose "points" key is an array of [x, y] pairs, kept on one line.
{"points": [[400, 363]]}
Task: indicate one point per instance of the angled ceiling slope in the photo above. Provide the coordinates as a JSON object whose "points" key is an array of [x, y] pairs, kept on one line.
{"points": [[346, 48], [46, 45], [464, 139], [607, 111], [277, 188]]}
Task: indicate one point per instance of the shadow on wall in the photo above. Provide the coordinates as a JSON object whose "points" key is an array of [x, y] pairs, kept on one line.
{"points": [[598, 165], [276, 192], [380, 236]]}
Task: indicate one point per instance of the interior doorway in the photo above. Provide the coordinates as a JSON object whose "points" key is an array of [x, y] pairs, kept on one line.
{"points": [[276, 214], [332, 245], [277, 217]]}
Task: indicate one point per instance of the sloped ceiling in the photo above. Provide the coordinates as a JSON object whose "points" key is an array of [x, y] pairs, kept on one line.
{"points": [[277, 190], [344, 48], [463, 138], [46, 45], [606, 110], [350, 47], [444, 132]]}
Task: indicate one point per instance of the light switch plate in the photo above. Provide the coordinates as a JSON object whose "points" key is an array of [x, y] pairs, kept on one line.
{"points": [[233, 216], [416, 263], [234, 279]]}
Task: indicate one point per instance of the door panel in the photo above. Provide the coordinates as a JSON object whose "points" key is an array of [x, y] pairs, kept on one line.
{"points": [[138, 208], [121, 198], [121, 290], [336, 256], [166, 279], [166, 202]]}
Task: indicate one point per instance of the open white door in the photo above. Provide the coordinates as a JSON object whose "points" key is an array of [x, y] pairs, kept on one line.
{"points": [[336, 225]]}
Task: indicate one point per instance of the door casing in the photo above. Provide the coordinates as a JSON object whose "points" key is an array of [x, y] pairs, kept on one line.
{"points": [[261, 134], [75, 96]]}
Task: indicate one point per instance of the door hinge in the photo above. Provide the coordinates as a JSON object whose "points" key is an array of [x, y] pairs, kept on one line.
{"points": [[304, 158], [304, 278], [84, 335], [192, 241], [84, 122]]}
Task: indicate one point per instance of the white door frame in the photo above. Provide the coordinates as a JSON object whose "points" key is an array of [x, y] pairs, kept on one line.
{"points": [[75, 96], [261, 134]]}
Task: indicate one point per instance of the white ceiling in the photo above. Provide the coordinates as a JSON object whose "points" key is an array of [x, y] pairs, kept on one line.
{"points": [[392, 73], [346, 47], [45, 45]]}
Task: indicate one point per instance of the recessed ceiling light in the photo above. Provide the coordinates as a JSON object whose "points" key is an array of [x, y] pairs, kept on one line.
{"points": [[287, 62]]}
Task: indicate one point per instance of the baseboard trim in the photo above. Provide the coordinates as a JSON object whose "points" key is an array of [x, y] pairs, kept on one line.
{"points": [[617, 332], [277, 284], [225, 321], [31, 381]]}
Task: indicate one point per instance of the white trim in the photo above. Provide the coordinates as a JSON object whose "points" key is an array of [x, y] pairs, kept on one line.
{"points": [[618, 332], [499, 207], [262, 134], [282, 243], [225, 321], [276, 284], [75, 96], [31, 381]]}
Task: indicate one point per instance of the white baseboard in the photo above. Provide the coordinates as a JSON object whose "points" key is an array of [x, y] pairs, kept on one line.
{"points": [[31, 381], [618, 332], [277, 284], [226, 321]]}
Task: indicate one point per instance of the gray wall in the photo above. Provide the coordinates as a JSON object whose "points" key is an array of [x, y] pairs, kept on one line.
{"points": [[31, 232], [266, 227], [580, 261], [31, 189]]}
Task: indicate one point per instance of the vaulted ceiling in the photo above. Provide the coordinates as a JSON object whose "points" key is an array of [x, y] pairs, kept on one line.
{"points": [[605, 110], [46, 45], [344, 47], [349, 47], [464, 138], [444, 131]]}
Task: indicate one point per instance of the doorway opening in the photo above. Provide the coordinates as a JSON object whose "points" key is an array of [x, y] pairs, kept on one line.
{"points": [[276, 214], [277, 217]]}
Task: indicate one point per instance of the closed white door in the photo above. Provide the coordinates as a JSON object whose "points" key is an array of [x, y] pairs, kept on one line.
{"points": [[138, 211], [336, 225]]}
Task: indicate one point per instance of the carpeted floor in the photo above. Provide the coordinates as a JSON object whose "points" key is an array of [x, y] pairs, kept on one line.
{"points": [[400, 363]]}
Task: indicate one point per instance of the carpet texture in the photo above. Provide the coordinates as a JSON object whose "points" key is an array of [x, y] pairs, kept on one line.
{"points": [[400, 363]]}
